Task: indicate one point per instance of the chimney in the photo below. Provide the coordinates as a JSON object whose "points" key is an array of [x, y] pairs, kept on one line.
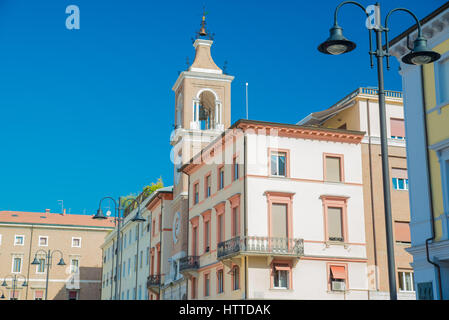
{"points": [[64, 212], [47, 211]]}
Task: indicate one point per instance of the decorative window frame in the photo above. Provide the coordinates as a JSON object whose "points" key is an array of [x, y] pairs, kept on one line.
{"points": [[195, 225], [220, 268], [289, 265], [15, 239], [196, 187], [41, 257], [328, 268], [233, 267], [342, 166], [204, 284], [208, 175], [439, 105], [219, 178], [17, 256], [335, 202], [287, 162], [207, 218], [235, 203], [39, 241], [80, 239], [220, 209], [275, 197]]}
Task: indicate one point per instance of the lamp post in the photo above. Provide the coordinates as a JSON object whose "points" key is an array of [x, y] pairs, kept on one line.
{"points": [[118, 218], [419, 54], [14, 278], [48, 262]]}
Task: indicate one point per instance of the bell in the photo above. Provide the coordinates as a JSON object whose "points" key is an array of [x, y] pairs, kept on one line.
{"points": [[204, 114], [203, 31]]}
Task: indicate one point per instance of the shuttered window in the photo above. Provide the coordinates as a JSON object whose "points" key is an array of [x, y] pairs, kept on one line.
{"points": [[402, 231], [333, 169], [334, 224], [397, 128], [279, 221]]}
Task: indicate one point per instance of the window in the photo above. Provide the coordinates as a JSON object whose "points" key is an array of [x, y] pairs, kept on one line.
{"points": [[405, 281], [235, 278], [154, 228], [399, 178], [397, 129], [195, 241], [148, 256], [337, 277], [220, 282], [207, 285], [0, 239], [333, 168], [141, 259], [442, 80], [335, 223], [207, 191], [76, 242], [278, 164], [281, 276], [279, 221], [194, 288], [17, 265], [207, 236], [73, 295], [38, 295], [235, 169], [135, 262], [129, 266], [74, 265], [220, 228], [235, 222], [19, 240], [196, 193], [220, 178], [40, 268], [43, 241], [402, 232]]}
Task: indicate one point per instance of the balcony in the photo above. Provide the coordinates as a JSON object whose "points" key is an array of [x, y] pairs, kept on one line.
{"points": [[189, 263], [154, 282], [260, 246]]}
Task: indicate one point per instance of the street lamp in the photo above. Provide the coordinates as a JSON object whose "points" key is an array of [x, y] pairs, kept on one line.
{"points": [[337, 44], [48, 262], [118, 218], [3, 295], [14, 278]]}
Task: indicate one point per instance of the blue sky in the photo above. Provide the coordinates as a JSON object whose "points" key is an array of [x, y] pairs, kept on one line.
{"points": [[88, 113]]}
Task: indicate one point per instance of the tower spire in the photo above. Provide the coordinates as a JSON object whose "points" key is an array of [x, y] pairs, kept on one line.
{"points": [[203, 33]]}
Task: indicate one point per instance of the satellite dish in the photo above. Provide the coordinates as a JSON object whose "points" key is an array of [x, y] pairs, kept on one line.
{"points": [[108, 213]]}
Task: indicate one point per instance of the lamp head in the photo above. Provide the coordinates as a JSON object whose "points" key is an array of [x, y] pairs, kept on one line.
{"points": [[138, 217], [61, 262], [100, 215], [35, 261], [25, 284], [3, 296], [420, 54], [4, 284], [336, 43]]}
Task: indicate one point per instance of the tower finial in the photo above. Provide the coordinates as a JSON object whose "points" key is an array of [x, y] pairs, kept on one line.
{"points": [[203, 33]]}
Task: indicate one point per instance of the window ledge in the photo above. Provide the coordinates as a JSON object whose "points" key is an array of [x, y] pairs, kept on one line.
{"points": [[336, 243]]}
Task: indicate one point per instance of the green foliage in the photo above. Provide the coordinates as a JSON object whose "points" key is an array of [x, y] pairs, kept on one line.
{"points": [[147, 190]]}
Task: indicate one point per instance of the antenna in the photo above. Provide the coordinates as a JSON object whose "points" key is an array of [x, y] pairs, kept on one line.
{"points": [[247, 101], [62, 205]]}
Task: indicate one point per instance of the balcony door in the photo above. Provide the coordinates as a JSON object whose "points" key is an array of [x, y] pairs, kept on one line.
{"points": [[279, 227]]}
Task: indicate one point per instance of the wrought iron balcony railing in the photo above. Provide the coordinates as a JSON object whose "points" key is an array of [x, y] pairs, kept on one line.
{"points": [[189, 263], [154, 281], [261, 245]]}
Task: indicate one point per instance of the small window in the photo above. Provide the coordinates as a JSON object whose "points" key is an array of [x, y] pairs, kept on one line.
{"points": [[235, 222], [206, 285], [76, 242], [208, 187], [335, 223], [281, 275], [333, 169], [338, 278], [220, 222], [236, 169], [220, 281], [236, 278], [43, 241], [278, 164], [19, 240], [74, 265], [194, 288], [207, 236], [196, 193], [73, 295], [17, 265], [40, 268], [406, 281], [400, 184], [221, 178]]}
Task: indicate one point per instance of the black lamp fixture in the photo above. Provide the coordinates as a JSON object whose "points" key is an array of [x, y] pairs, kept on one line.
{"points": [[35, 261], [420, 54], [61, 262], [4, 284], [100, 215]]}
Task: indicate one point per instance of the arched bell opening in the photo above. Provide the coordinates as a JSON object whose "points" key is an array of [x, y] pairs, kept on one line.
{"points": [[207, 111]]}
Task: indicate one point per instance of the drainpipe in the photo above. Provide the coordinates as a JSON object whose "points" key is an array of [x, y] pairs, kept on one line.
{"points": [[160, 241], [137, 255], [432, 216], [112, 270], [245, 220], [187, 221]]}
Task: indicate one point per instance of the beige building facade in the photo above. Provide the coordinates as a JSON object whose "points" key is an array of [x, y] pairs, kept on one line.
{"points": [[76, 239]]}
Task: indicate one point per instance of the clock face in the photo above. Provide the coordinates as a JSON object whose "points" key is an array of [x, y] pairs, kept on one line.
{"points": [[176, 227]]}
